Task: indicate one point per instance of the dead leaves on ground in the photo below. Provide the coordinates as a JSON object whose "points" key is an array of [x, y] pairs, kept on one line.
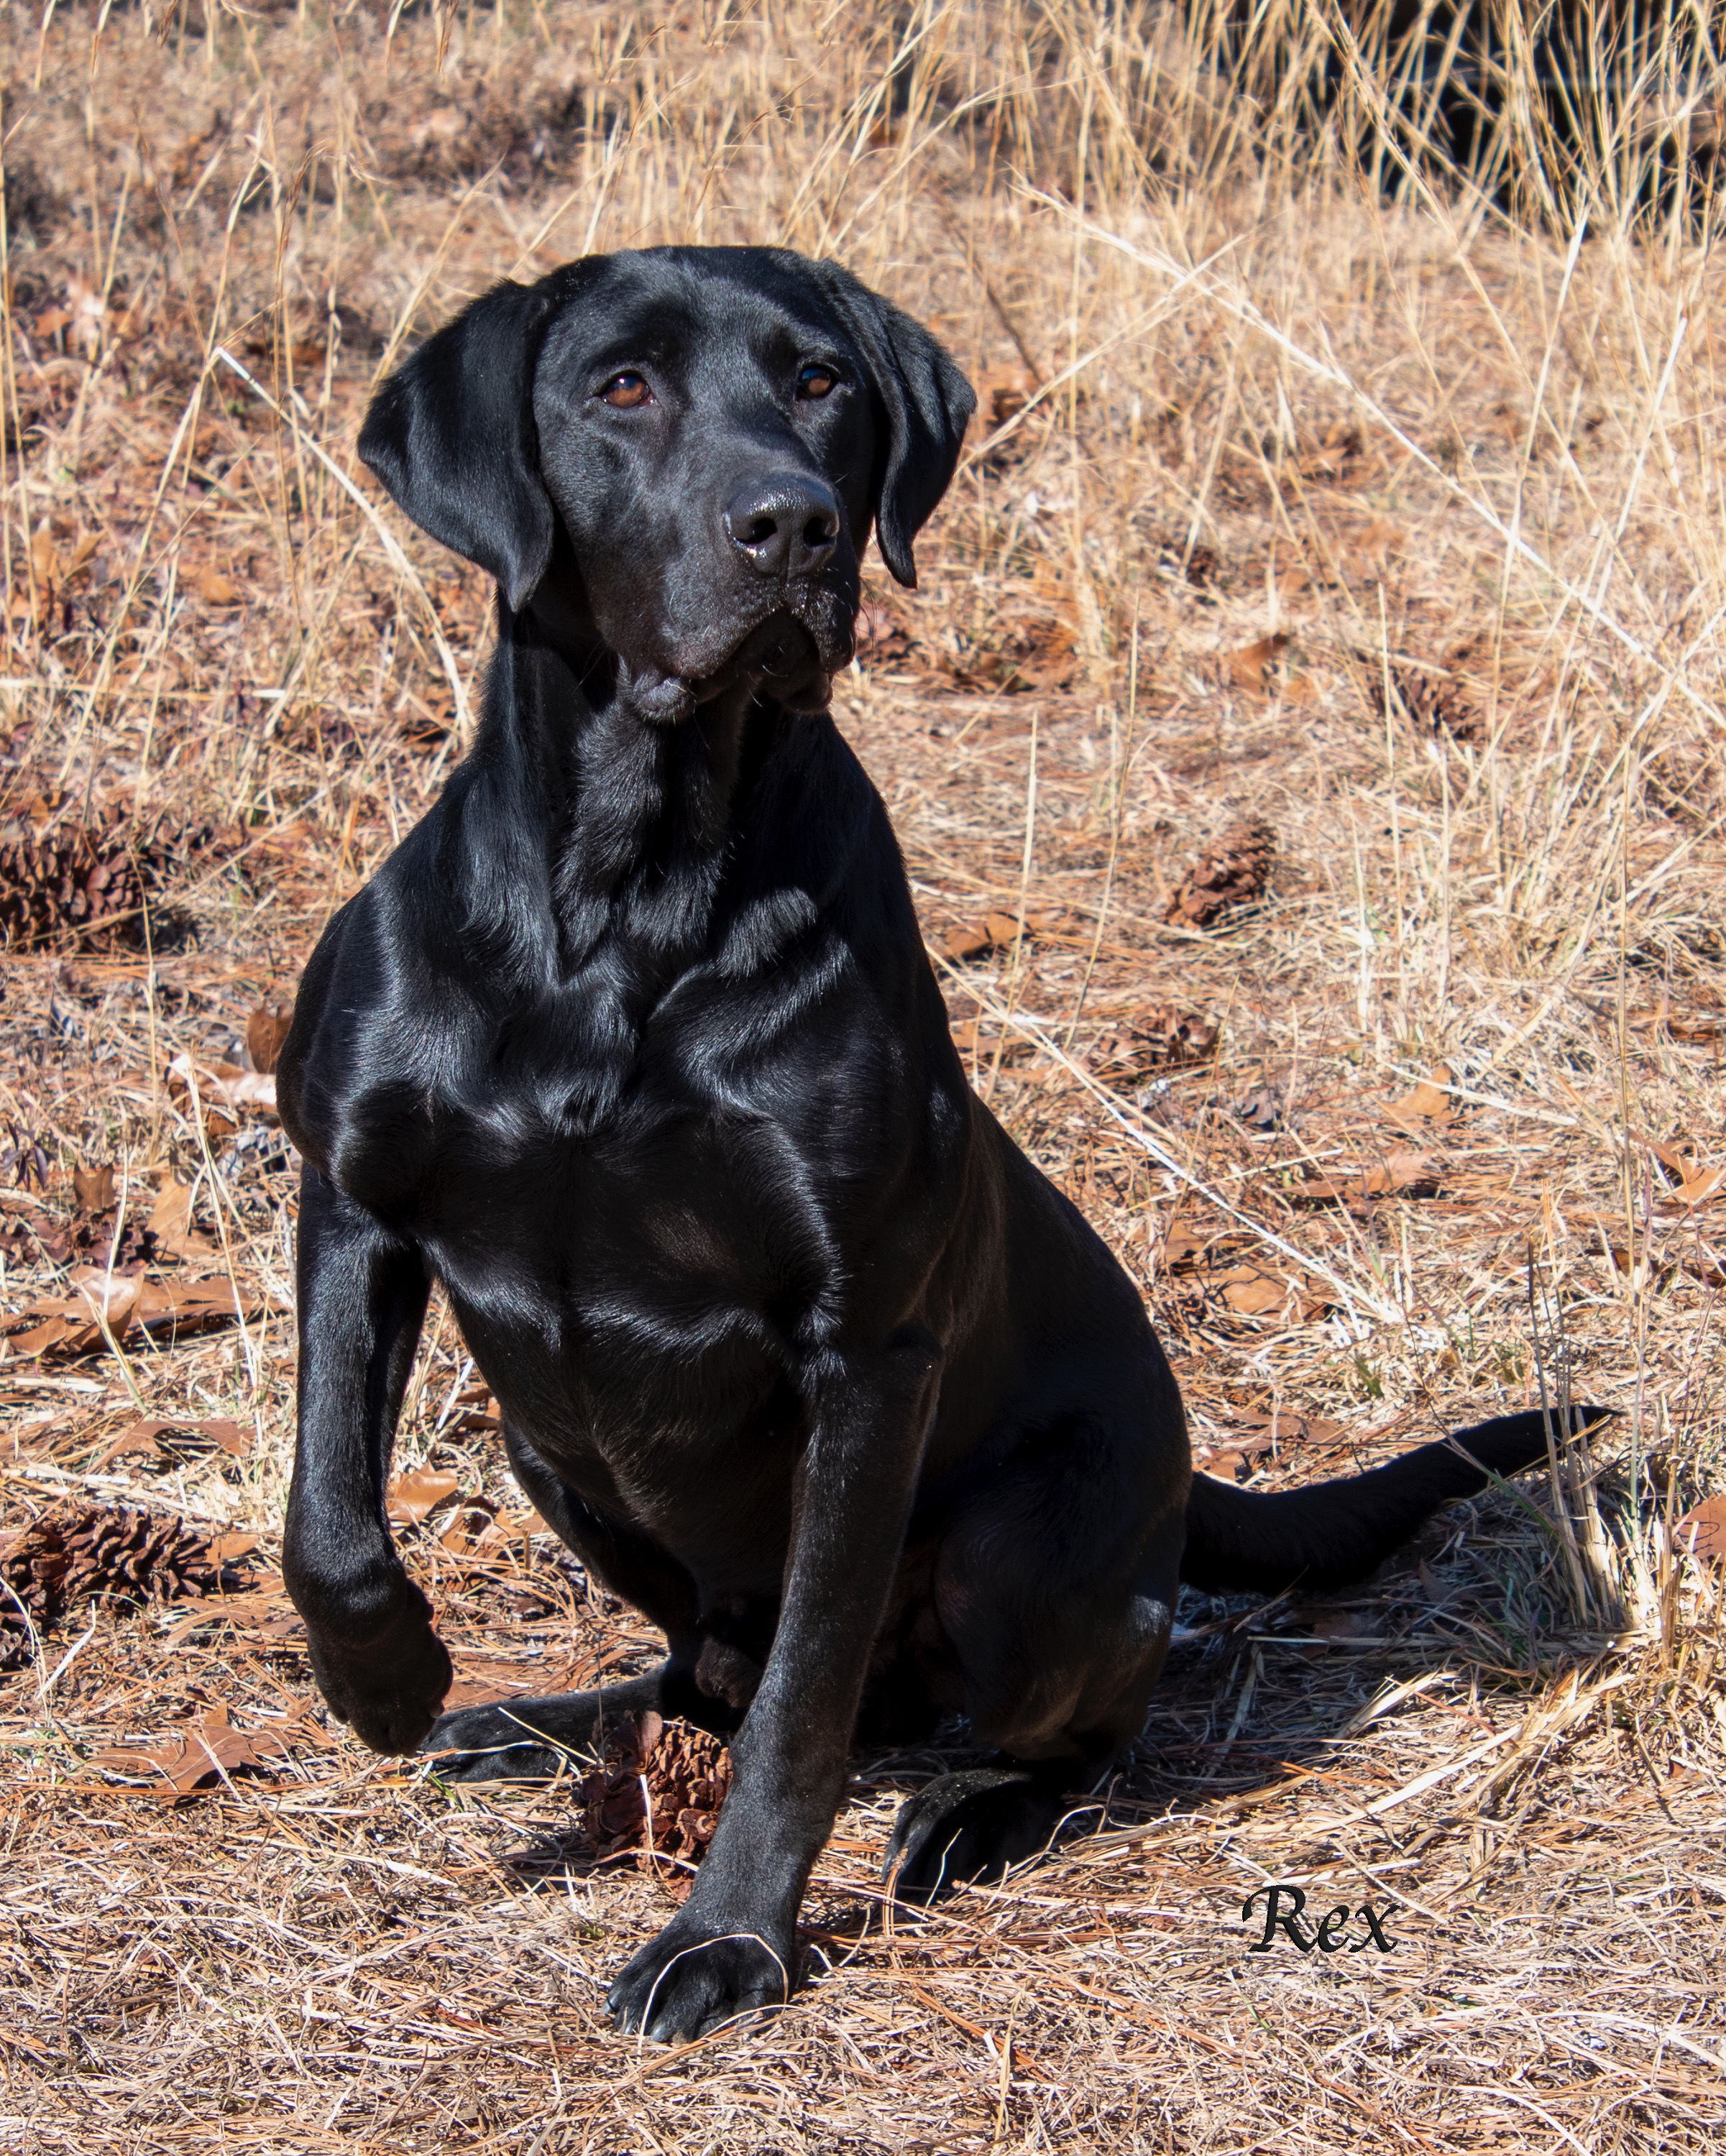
{"points": [[213, 587], [1702, 1530], [219, 1093], [108, 1308], [172, 1439], [1669, 1234], [117, 1228], [1025, 640], [266, 1034], [1233, 1455], [202, 1754], [416, 1495], [1229, 1268], [1431, 1101], [476, 1529], [1000, 932], [1250, 668], [1396, 1175]]}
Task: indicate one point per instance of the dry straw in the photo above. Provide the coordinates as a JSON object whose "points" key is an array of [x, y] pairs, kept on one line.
{"points": [[1347, 463]]}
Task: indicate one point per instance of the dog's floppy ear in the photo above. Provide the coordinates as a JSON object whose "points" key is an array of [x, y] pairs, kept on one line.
{"points": [[927, 403], [451, 435]]}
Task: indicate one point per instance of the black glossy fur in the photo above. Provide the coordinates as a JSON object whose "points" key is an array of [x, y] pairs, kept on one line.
{"points": [[634, 1044]]}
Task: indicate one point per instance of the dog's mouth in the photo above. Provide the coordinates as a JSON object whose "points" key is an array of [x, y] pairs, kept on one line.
{"points": [[792, 656], [782, 656]]}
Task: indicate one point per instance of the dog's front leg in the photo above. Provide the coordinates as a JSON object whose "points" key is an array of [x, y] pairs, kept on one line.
{"points": [[732, 1948], [362, 1297]]}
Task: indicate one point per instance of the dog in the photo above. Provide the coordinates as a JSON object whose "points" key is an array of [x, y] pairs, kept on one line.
{"points": [[635, 1045]]}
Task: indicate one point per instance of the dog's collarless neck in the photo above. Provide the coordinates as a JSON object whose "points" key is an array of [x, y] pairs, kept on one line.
{"points": [[623, 826]]}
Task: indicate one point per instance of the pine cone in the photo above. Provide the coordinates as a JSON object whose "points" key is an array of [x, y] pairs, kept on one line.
{"points": [[1152, 1039], [678, 1770], [1233, 873], [87, 885], [68, 1559], [1437, 707]]}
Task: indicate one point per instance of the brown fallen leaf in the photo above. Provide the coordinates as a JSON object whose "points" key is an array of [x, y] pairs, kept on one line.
{"points": [[1336, 456], [1398, 1175], [997, 931], [1429, 1102], [224, 1083], [229, 1548], [1702, 1529], [213, 588], [1252, 1291], [1002, 392], [1377, 541], [1285, 1427], [93, 1188], [171, 1220], [67, 1326], [201, 1754], [1662, 1259], [216, 1431], [467, 1528], [417, 1494], [1182, 1249], [1249, 668], [1699, 1188], [266, 1029], [1678, 1156]]}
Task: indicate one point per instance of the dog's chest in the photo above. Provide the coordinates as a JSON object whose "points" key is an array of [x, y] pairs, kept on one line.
{"points": [[655, 1202], [631, 1291]]}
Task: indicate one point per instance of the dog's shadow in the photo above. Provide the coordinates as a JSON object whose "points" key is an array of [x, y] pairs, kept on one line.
{"points": [[1259, 1698], [1256, 1697]]}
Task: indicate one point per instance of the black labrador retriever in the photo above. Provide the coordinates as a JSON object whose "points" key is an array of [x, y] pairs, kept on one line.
{"points": [[634, 1044]]}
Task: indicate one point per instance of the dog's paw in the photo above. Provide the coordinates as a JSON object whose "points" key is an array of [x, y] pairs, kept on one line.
{"points": [[500, 1744], [390, 1690], [969, 1826], [692, 1978]]}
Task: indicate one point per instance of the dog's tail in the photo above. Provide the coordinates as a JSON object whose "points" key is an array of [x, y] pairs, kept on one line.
{"points": [[1264, 1541]]}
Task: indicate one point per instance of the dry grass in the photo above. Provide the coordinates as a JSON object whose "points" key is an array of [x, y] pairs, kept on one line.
{"points": [[1388, 513]]}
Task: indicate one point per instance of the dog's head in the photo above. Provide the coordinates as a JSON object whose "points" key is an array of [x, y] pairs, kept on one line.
{"points": [[680, 452]]}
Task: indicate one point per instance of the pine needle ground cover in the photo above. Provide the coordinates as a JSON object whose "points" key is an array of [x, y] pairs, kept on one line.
{"points": [[1309, 744]]}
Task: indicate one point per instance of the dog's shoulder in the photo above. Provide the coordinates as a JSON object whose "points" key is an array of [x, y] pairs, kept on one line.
{"points": [[378, 1018]]}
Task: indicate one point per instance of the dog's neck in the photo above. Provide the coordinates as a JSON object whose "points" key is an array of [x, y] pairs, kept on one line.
{"points": [[619, 824]]}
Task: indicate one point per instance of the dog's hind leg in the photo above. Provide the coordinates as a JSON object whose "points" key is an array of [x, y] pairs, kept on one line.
{"points": [[1051, 1608]]}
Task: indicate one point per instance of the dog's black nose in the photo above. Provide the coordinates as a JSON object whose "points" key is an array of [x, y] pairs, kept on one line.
{"points": [[786, 525]]}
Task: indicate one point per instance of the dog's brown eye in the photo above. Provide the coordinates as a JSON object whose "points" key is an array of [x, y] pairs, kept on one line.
{"points": [[624, 392], [816, 380]]}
